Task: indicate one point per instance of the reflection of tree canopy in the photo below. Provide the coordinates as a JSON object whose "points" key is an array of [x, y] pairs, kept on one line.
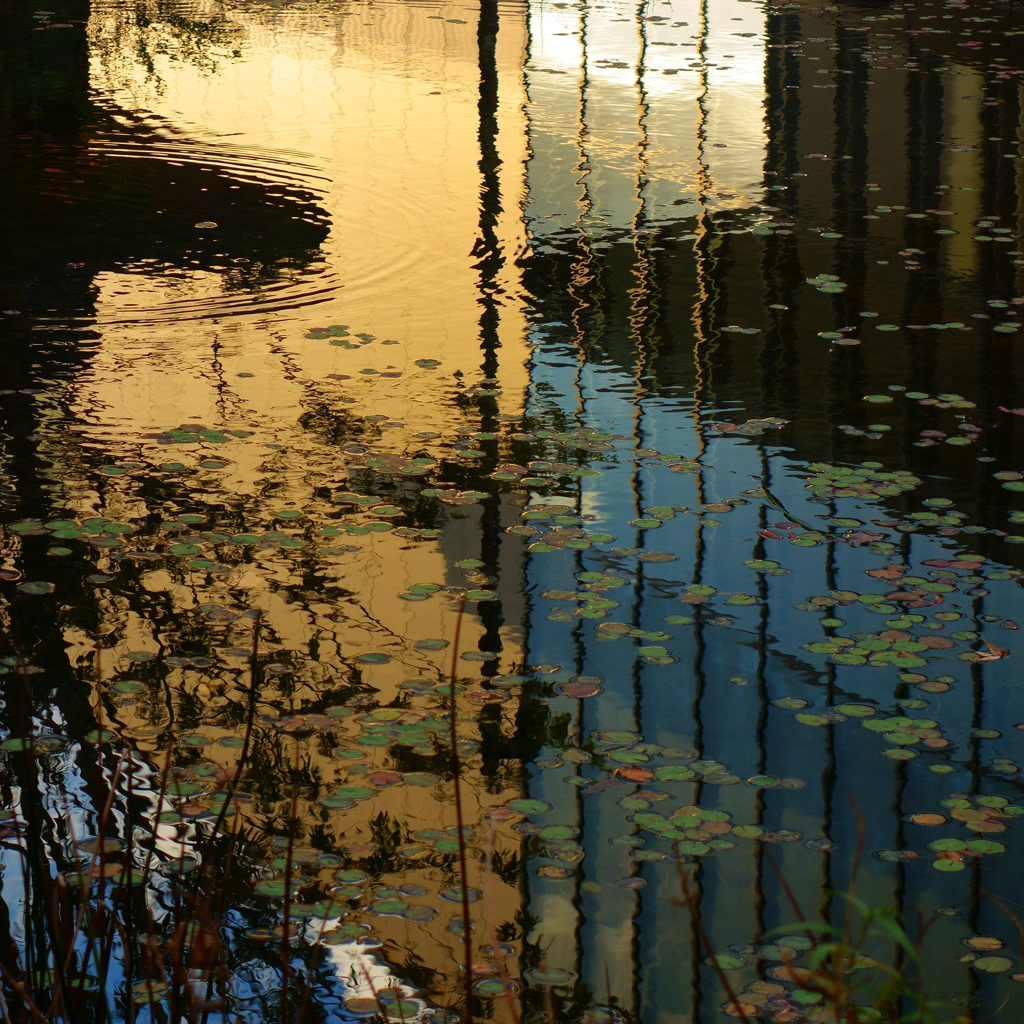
{"points": [[127, 35]]}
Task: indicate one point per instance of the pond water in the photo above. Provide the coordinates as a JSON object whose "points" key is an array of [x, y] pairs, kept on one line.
{"points": [[554, 381]]}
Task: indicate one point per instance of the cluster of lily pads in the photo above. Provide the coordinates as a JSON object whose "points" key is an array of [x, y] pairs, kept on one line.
{"points": [[342, 894], [338, 334], [869, 481]]}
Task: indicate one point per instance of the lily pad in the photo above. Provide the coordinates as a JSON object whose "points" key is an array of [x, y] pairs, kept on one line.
{"points": [[993, 964], [36, 588], [529, 806]]}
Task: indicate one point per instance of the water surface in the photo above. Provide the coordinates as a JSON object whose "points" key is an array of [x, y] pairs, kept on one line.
{"points": [[649, 369]]}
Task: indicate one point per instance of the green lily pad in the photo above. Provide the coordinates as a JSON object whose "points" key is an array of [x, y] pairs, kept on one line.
{"points": [[985, 846], [856, 710], [334, 802], [693, 848], [36, 588], [431, 645], [553, 832], [726, 961], [814, 720], [422, 779], [993, 964], [849, 659], [388, 908], [747, 831], [529, 806], [353, 792], [947, 845], [274, 888]]}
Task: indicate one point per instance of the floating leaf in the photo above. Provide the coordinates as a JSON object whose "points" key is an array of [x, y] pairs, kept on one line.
{"points": [[431, 645], [422, 779], [726, 961], [353, 792], [993, 964], [693, 848], [529, 806], [747, 831], [856, 710], [273, 888], [811, 719], [549, 977], [791, 703], [455, 895], [335, 802], [579, 689], [926, 818], [36, 588]]}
